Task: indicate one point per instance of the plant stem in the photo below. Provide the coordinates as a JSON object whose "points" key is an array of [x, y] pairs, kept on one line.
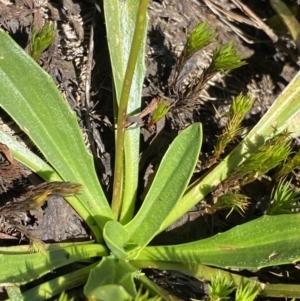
{"points": [[121, 121]]}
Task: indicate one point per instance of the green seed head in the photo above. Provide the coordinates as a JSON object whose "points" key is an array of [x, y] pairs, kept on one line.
{"points": [[201, 36]]}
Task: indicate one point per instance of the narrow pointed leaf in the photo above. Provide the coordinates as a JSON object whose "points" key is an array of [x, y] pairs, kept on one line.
{"points": [[266, 241], [28, 267], [120, 19], [31, 98], [169, 184], [57, 285]]}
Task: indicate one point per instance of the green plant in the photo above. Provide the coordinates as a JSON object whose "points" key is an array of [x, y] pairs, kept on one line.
{"points": [[284, 199], [224, 58], [288, 19], [201, 36], [41, 40], [121, 247], [219, 289], [247, 292]]}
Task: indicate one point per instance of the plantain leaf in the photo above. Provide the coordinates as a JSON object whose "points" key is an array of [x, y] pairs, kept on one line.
{"points": [[111, 279], [31, 98], [57, 285], [116, 237], [169, 184], [120, 19], [266, 241], [28, 267], [28, 158]]}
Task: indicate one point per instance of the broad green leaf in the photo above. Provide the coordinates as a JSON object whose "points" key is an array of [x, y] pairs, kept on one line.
{"points": [[40, 167], [23, 268], [31, 98], [266, 241], [170, 182], [57, 285], [284, 109], [29, 159], [111, 271], [280, 290], [282, 115], [26, 249], [116, 237], [109, 292], [120, 17]]}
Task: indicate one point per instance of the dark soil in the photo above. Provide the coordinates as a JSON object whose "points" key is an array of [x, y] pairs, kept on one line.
{"points": [[270, 67]]}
